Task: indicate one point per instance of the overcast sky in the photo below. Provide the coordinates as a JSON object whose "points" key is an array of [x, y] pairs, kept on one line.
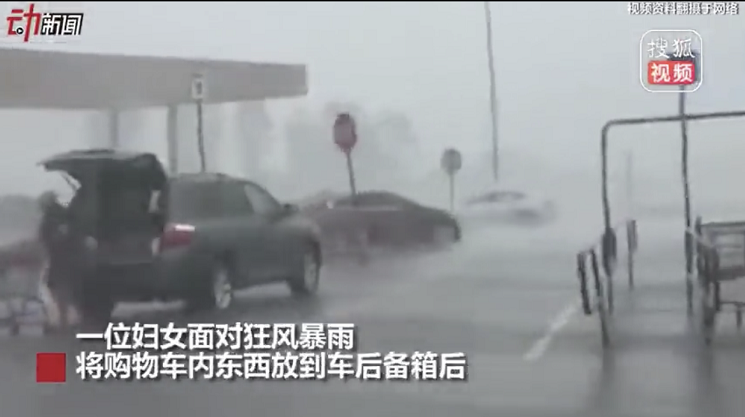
{"points": [[563, 68]]}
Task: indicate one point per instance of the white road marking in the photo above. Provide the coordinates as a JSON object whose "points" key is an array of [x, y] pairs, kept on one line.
{"points": [[539, 348]]}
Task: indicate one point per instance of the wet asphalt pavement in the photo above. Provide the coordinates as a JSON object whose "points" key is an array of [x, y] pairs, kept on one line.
{"points": [[511, 304]]}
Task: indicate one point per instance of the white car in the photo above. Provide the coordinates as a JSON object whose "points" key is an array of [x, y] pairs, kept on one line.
{"points": [[507, 206]]}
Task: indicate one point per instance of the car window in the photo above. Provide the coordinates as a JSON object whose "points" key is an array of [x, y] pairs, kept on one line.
{"points": [[377, 200], [234, 200], [127, 201], [508, 196], [194, 200], [497, 197], [261, 201], [482, 199]]}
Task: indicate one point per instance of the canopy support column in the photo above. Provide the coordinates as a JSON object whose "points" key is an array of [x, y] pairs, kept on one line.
{"points": [[113, 116], [172, 138]]}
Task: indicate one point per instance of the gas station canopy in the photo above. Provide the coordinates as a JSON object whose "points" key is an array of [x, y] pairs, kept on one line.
{"points": [[38, 79]]}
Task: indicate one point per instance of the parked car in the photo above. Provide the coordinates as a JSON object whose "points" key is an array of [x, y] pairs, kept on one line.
{"points": [[196, 237], [378, 219], [507, 206]]}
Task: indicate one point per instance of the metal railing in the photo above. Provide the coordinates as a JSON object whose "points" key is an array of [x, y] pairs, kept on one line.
{"points": [[605, 254], [705, 249], [702, 254]]}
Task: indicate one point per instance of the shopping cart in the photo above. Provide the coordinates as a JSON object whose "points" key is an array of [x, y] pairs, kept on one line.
{"points": [[22, 278]]}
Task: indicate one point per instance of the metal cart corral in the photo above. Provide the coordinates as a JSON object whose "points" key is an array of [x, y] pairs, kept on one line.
{"points": [[720, 255], [714, 251]]}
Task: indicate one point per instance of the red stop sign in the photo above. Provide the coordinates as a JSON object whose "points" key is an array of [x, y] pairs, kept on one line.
{"points": [[345, 132]]}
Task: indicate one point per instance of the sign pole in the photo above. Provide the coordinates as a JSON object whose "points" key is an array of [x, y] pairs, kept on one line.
{"points": [[345, 138], [350, 172], [451, 162], [451, 178], [198, 93]]}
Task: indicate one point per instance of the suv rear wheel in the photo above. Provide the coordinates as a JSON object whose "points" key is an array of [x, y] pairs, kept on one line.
{"points": [[444, 235], [217, 292], [97, 304], [307, 279]]}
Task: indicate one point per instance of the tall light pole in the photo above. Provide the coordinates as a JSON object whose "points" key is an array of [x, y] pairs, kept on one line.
{"points": [[492, 92], [695, 57]]}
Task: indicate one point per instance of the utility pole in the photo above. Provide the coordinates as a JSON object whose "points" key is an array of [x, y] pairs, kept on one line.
{"points": [[688, 242], [694, 57], [492, 92]]}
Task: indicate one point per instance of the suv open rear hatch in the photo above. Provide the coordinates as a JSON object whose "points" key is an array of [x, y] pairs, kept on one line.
{"points": [[123, 228], [87, 165]]}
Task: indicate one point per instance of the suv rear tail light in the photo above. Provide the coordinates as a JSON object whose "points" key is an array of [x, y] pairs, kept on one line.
{"points": [[176, 235]]}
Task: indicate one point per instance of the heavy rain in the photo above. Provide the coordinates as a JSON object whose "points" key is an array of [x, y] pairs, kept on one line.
{"points": [[474, 259]]}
